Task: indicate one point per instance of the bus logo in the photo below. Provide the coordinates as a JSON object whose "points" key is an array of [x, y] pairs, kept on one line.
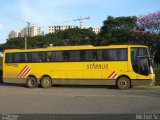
{"points": [[113, 75], [25, 71]]}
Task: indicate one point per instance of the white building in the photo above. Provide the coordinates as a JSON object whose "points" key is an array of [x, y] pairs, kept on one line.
{"points": [[14, 33], [32, 31], [27, 31], [96, 29], [53, 29]]}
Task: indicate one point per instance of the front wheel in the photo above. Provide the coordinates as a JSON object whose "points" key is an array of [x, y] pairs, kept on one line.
{"points": [[123, 83], [46, 82], [31, 82]]}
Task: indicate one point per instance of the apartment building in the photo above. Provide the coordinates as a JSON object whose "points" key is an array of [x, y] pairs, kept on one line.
{"points": [[53, 29], [32, 31], [96, 29], [27, 31], [14, 33]]}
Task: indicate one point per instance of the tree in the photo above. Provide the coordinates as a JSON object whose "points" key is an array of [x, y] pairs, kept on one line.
{"points": [[36, 42], [74, 36], [15, 43], [117, 29], [69, 37], [150, 22]]}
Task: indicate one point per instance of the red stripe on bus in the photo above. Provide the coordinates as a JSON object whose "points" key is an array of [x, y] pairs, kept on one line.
{"points": [[28, 70], [21, 71], [24, 71], [111, 74], [114, 75]]}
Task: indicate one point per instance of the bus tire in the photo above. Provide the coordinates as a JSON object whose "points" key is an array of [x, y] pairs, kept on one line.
{"points": [[46, 82], [123, 83], [31, 82]]}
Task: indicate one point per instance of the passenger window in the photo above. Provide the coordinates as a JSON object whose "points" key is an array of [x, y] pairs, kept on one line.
{"points": [[74, 55], [9, 58], [42, 56], [66, 55], [19, 57], [57, 56]]}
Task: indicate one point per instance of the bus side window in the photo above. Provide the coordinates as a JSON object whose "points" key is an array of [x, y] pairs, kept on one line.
{"points": [[74, 55], [9, 58], [88, 55], [42, 57], [34, 57], [82, 55], [121, 54], [19, 57], [99, 55], [105, 55], [95, 57], [49, 56], [57, 56], [66, 55], [22, 57], [112, 54], [29, 57]]}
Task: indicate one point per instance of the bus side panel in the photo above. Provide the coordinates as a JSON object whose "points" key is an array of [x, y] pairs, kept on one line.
{"points": [[15, 73], [80, 70]]}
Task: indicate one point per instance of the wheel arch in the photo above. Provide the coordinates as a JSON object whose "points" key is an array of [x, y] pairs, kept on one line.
{"points": [[45, 76], [32, 76], [123, 76]]}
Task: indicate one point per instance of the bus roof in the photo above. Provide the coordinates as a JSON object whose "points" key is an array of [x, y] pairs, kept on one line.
{"points": [[81, 47]]}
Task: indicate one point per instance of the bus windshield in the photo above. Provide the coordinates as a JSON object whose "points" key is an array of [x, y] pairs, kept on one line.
{"points": [[142, 63]]}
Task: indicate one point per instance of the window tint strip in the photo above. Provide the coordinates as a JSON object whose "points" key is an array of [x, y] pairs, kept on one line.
{"points": [[119, 54]]}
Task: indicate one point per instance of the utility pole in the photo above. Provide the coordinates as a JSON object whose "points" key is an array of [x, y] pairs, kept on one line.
{"points": [[25, 42]]}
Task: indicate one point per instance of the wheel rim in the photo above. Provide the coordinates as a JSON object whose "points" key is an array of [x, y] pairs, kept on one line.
{"points": [[45, 82], [123, 83], [31, 82]]}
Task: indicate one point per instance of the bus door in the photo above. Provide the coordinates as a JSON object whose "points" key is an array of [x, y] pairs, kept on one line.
{"points": [[143, 65]]}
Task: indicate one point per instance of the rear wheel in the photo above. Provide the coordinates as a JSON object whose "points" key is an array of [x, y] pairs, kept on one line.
{"points": [[123, 83], [31, 82], [46, 82]]}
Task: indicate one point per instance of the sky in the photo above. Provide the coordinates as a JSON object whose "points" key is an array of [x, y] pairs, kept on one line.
{"points": [[44, 13]]}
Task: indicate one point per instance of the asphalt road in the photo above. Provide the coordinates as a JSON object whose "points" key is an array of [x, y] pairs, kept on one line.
{"points": [[94, 100], [78, 100]]}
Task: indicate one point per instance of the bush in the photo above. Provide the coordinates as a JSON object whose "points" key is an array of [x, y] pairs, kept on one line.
{"points": [[157, 82]]}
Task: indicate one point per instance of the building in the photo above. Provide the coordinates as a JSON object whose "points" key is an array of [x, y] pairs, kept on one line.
{"points": [[53, 29], [32, 31], [27, 31], [14, 33], [96, 29]]}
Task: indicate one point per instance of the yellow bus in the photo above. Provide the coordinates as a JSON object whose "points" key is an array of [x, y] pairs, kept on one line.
{"points": [[120, 65]]}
